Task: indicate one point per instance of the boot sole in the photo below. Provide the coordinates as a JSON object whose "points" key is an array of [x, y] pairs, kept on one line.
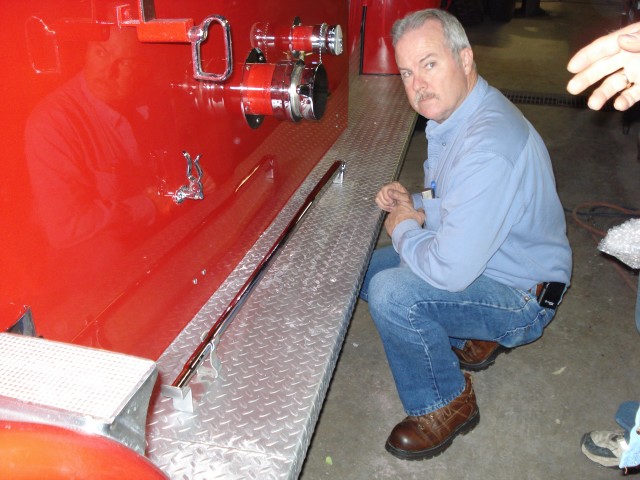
{"points": [[486, 363], [462, 429]]}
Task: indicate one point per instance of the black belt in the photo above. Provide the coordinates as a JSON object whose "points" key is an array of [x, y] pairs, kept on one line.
{"points": [[550, 294]]}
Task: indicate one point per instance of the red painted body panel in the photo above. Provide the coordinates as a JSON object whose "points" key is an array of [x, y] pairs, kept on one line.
{"points": [[93, 124], [379, 16]]}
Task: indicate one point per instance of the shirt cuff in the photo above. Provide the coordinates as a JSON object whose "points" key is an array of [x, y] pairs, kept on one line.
{"points": [[417, 201], [402, 228]]}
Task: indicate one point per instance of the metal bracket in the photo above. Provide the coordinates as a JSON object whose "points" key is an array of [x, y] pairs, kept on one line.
{"points": [[24, 325], [339, 178], [179, 30], [182, 397], [210, 369]]}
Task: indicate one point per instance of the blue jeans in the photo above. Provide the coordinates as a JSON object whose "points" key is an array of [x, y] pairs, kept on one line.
{"points": [[626, 416], [419, 323]]}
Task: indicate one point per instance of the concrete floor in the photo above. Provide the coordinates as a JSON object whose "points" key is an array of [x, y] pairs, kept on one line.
{"points": [[537, 401]]}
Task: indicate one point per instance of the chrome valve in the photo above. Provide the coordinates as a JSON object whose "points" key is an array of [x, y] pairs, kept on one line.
{"points": [[297, 38], [289, 90]]}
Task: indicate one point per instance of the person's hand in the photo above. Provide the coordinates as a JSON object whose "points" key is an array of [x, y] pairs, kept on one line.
{"points": [[391, 195], [614, 58], [400, 213], [163, 203]]}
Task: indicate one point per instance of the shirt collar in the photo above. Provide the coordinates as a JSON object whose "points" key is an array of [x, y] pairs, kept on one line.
{"points": [[470, 104], [106, 111]]}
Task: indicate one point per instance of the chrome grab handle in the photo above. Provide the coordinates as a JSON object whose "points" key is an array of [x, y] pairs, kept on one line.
{"points": [[197, 35]]}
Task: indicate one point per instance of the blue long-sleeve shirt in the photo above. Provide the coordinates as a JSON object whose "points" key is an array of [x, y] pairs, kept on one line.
{"points": [[496, 210]]}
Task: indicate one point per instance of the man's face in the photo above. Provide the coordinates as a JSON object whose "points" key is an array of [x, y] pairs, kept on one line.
{"points": [[112, 65], [435, 81]]}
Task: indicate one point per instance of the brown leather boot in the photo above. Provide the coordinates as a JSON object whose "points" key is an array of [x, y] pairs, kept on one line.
{"points": [[478, 354], [417, 438]]}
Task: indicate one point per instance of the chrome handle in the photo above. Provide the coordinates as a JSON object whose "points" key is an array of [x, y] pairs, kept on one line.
{"points": [[179, 389], [197, 35]]}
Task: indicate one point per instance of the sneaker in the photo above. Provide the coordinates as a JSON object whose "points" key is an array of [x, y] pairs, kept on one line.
{"points": [[604, 447]]}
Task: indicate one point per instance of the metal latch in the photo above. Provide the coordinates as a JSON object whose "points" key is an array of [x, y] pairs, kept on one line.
{"points": [[192, 190]]}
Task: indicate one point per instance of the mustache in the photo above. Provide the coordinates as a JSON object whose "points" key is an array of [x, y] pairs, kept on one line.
{"points": [[420, 96]]}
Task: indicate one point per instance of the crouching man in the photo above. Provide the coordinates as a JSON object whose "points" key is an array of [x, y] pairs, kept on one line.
{"points": [[480, 259]]}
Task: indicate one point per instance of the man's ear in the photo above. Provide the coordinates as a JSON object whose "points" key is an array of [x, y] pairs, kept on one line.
{"points": [[466, 57]]}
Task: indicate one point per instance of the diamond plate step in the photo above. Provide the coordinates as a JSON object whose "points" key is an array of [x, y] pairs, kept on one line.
{"points": [[87, 389]]}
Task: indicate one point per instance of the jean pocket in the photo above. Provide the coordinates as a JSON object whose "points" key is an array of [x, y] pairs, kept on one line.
{"points": [[530, 326]]}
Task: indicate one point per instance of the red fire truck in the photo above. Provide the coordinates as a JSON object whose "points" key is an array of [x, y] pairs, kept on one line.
{"points": [[187, 211]]}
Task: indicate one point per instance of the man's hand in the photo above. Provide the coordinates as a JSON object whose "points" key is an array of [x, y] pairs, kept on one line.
{"points": [[614, 58], [391, 195], [396, 200], [401, 213]]}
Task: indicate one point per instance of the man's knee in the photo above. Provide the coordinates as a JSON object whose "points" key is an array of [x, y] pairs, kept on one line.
{"points": [[379, 288], [385, 293], [385, 312]]}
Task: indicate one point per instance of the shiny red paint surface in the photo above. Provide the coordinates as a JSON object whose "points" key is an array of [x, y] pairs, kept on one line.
{"points": [[379, 17], [33, 451], [93, 124]]}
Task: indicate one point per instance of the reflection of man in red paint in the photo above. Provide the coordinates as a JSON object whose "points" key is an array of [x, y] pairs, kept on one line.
{"points": [[84, 162], [94, 185]]}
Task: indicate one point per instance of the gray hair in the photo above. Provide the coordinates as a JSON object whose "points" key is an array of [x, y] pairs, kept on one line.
{"points": [[454, 35]]}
